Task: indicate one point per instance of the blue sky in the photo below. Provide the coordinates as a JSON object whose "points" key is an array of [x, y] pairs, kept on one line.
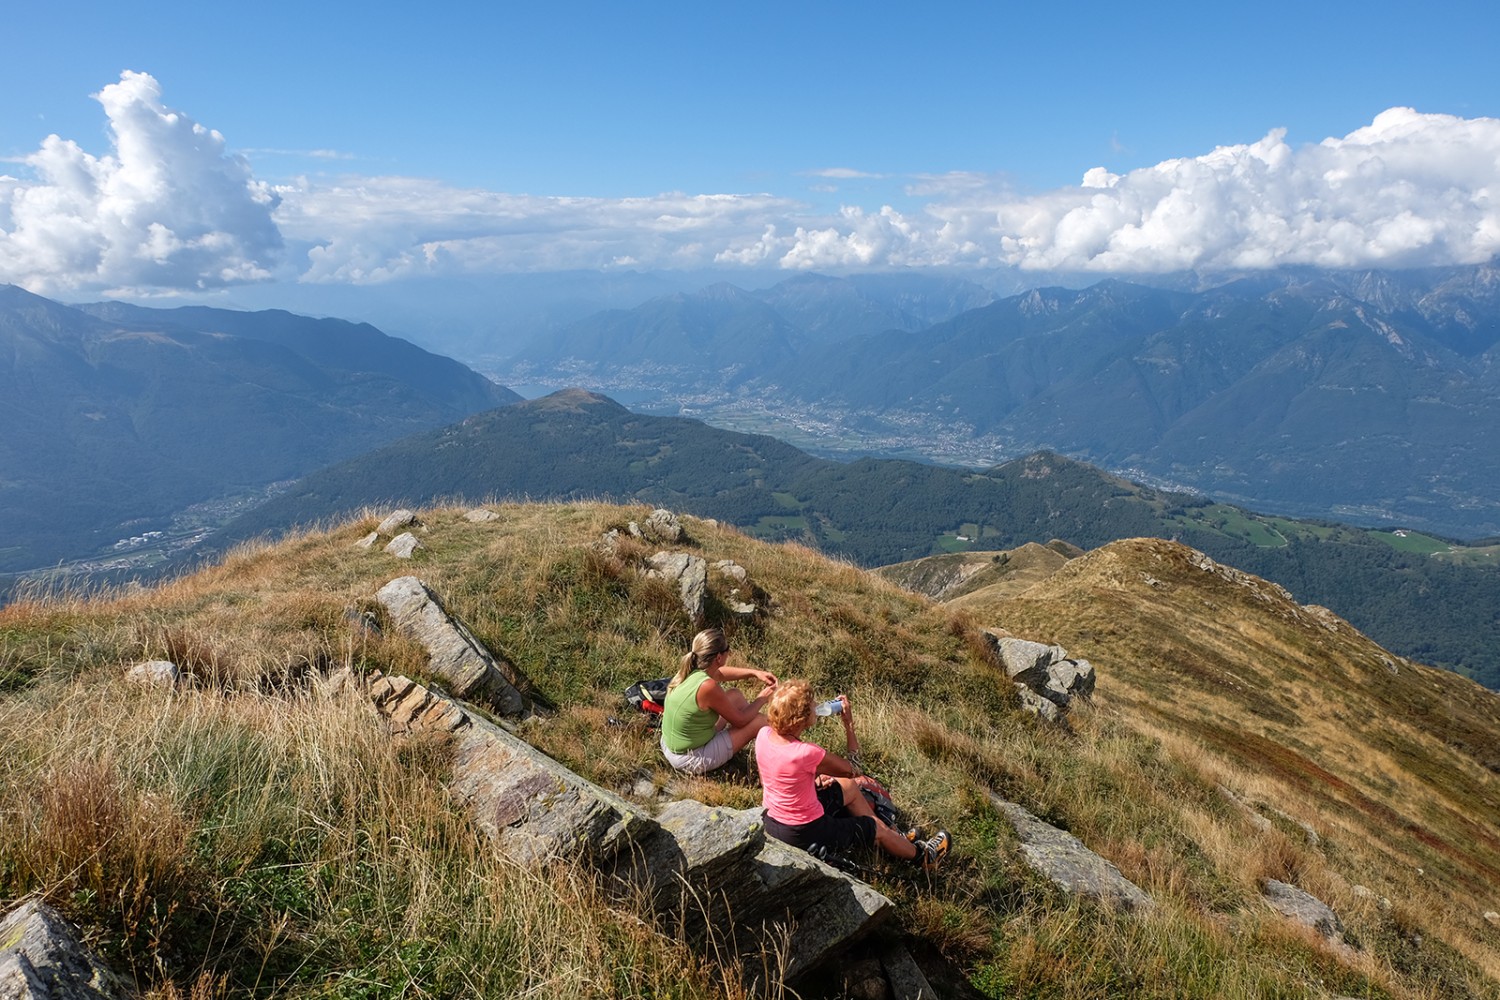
{"points": [[373, 142]]}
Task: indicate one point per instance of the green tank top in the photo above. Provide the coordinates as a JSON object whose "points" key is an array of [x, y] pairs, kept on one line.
{"points": [[685, 726]]}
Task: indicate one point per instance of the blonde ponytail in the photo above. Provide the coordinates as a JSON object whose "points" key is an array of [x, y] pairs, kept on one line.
{"points": [[706, 645]]}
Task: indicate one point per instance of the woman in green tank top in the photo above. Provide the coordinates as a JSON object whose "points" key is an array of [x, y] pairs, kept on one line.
{"points": [[705, 721]]}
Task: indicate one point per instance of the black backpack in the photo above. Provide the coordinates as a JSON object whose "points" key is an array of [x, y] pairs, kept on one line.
{"points": [[649, 697]]}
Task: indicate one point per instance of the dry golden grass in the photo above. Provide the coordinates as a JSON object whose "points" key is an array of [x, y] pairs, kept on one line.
{"points": [[276, 842]]}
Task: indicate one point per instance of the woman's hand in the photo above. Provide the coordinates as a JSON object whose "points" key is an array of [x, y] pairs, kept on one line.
{"points": [[765, 677]]}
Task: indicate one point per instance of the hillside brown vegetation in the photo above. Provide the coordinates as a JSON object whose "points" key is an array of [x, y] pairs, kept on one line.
{"points": [[247, 835]]}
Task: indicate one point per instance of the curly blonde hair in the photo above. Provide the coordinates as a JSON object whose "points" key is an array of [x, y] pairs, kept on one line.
{"points": [[790, 707]]}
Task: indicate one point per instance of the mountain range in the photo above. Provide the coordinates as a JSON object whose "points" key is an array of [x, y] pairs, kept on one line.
{"points": [[1362, 396], [721, 335], [118, 417]]}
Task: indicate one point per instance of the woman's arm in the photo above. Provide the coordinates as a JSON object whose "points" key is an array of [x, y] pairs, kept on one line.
{"points": [[851, 741], [746, 673], [838, 767], [730, 704]]}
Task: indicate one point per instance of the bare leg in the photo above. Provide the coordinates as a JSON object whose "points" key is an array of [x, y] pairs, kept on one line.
{"points": [[890, 841], [744, 734]]}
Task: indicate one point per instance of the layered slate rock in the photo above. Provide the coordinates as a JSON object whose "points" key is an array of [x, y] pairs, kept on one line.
{"points": [[42, 958], [461, 661], [693, 860], [531, 807], [1066, 862]]}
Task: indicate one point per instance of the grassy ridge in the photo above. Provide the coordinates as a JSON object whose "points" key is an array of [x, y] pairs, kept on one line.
{"points": [[253, 837], [576, 446]]}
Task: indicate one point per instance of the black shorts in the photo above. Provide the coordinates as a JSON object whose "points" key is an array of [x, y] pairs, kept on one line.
{"points": [[836, 830]]}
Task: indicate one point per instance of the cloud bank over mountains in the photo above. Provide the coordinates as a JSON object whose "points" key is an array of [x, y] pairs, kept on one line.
{"points": [[172, 208]]}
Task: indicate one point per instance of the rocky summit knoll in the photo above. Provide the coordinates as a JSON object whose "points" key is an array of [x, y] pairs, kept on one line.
{"points": [[338, 766]]}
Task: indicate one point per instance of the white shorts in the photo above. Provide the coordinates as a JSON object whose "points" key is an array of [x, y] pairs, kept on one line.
{"points": [[715, 753]]}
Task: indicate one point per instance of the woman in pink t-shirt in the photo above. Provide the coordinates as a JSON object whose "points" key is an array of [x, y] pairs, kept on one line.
{"points": [[813, 796]]}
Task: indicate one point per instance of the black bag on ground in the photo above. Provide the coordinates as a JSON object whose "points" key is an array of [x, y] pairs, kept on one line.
{"points": [[649, 697]]}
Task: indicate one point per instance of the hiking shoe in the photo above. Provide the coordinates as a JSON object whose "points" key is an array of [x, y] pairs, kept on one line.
{"points": [[911, 835], [931, 853]]}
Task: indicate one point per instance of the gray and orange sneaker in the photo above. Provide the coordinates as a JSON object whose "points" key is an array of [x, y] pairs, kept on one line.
{"points": [[931, 852]]}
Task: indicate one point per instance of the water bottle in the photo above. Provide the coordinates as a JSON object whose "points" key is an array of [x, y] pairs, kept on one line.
{"points": [[831, 707]]}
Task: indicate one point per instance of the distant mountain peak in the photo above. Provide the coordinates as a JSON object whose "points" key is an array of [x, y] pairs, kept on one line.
{"points": [[572, 399]]}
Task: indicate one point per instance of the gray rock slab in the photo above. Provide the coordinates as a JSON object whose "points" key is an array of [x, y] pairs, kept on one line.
{"points": [[1037, 704], [662, 526], [461, 661], [43, 958], [395, 521], [1072, 677], [481, 515], [404, 545], [1066, 862], [1023, 661], [1303, 907]]}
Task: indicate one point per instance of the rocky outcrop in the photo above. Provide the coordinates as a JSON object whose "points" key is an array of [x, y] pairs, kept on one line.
{"points": [[531, 807], [662, 527], [704, 867], [481, 515], [42, 958], [688, 573], [1046, 678], [459, 660], [1061, 858]]}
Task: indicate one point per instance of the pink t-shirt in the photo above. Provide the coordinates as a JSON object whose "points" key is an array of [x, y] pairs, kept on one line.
{"points": [[787, 768]]}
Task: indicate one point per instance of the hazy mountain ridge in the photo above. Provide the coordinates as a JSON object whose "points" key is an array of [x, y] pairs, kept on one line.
{"points": [[1356, 395], [721, 334], [119, 416]]}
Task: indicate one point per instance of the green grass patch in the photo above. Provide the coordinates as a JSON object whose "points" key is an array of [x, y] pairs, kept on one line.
{"points": [[1411, 541], [1235, 523], [952, 543]]}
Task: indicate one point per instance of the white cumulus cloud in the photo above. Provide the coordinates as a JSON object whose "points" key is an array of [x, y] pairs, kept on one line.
{"points": [[170, 208], [1409, 189]]}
